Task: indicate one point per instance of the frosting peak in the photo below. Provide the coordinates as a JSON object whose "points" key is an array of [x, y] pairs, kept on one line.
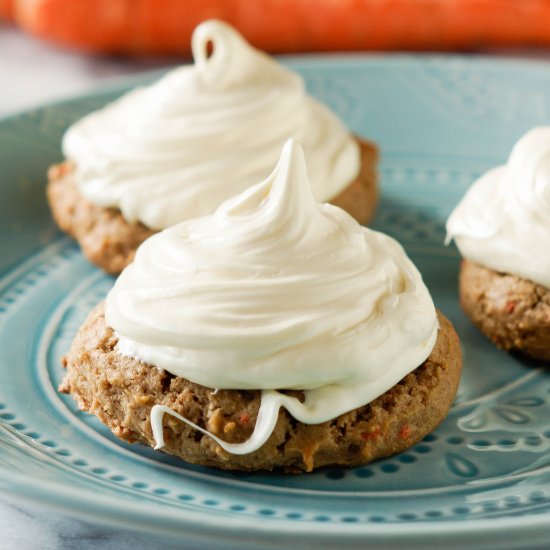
{"points": [[283, 201], [224, 60], [274, 291], [177, 149], [503, 221]]}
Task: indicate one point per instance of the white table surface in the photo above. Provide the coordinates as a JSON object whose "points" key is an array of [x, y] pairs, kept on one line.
{"points": [[33, 73]]}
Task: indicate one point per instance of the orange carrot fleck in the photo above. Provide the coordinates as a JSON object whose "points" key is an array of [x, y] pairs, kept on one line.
{"points": [[371, 433], [510, 306], [405, 432]]}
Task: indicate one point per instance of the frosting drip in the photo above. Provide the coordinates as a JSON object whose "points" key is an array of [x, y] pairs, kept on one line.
{"points": [[177, 149], [274, 291], [503, 221]]}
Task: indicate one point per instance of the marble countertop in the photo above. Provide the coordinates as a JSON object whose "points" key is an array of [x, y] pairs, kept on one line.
{"points": [[24, 527], [34, 73]]}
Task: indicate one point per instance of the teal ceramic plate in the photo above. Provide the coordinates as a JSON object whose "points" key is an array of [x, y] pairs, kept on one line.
{"points": [[482, 478]]}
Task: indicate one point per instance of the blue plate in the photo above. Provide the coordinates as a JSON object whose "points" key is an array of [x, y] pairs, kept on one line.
{"points": [[482, 478]]}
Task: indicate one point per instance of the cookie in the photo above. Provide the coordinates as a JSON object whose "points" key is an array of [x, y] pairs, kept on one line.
{"points": [[110, 242], [121, 392], [513, 312]]}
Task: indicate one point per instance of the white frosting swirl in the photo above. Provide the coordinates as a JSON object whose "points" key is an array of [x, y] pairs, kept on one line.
{"points": [[202, 134], [503, 221], [274, 291]]}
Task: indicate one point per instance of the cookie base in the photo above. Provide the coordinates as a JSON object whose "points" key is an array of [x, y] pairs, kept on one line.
{"points": [[121, 392], [513, 312]]}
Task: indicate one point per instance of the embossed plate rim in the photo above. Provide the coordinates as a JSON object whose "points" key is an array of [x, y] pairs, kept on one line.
{"points": [[172, 523]]}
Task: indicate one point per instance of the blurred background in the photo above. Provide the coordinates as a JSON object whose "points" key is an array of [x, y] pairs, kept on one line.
{"points": [[50, 49]]}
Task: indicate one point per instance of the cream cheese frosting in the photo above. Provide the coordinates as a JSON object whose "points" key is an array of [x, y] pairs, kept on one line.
{"points": [[203, 133], [503, 221], [275, 291]]}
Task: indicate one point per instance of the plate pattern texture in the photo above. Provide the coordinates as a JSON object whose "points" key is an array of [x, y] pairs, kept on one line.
{"points": [[440, 123]]}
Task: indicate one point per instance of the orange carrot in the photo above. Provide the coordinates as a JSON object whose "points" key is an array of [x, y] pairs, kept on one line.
{"points": [[165, 26], [6, 9]]}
